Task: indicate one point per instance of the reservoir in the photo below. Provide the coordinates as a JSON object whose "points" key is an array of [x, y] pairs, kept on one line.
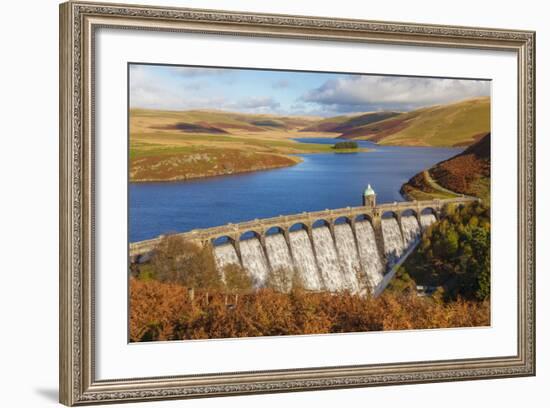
{"points": [[321, 181]]}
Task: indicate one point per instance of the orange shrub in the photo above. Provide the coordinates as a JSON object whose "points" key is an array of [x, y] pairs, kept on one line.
{"points": [[163, 311]]}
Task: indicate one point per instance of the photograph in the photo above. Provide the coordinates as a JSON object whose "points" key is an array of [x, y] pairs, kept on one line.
{"points": [[270, 201], [267, 202]]}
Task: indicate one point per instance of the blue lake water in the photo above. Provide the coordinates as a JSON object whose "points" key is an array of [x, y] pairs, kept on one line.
{"points": [[321, 181]]}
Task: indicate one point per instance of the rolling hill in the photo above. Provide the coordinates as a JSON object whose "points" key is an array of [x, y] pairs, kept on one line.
{"points": [[177, 145], [343, 124], [456, 124], [213, 122], [182, 145]]}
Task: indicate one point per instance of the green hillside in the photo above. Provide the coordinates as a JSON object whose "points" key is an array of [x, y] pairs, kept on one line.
{"points": [[456, 124]]}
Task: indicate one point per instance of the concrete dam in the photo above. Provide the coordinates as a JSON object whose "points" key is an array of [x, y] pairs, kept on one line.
{"points": [[345, 258], [350, 249]]}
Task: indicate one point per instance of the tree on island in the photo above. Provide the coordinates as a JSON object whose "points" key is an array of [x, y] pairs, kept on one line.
{"points": [[346, 145]]}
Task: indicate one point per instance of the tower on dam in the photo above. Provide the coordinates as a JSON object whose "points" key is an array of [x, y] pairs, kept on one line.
{"points": [[369, 197]]}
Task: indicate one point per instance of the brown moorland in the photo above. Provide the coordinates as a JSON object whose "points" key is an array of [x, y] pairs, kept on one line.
{"points": [[467, 173], [205, 163], [165, 311]]}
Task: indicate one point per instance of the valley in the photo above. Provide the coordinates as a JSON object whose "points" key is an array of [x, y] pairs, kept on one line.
{"points": [[183, 145]]}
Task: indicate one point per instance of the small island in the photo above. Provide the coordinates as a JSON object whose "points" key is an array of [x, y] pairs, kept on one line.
{"points": [[345, 145]]}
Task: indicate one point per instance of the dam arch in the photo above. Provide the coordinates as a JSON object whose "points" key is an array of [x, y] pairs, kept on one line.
{"points": [[321, 222], [222, 239], [226, 251], [300, 225], [409, 212], [428, 211], [372, 220], [390, 214], [274, 230], [282, 242], [343, 219], [250, 234]]}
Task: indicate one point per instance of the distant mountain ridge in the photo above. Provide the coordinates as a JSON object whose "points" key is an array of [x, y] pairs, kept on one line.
{"points": [[454, 124], [215, 122], [343, 124]]}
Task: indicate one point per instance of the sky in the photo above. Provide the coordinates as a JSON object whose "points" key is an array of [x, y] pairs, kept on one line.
{"points": [[288, 92]]}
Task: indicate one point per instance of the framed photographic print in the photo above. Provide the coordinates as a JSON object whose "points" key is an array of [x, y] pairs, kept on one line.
{"points": [[256, 203]]}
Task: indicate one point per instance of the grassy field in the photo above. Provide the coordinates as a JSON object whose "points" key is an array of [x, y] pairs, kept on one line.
{"points": [[169, 146]]}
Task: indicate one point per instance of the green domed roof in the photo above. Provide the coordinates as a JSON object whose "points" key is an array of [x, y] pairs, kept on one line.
{"points": [[369, 191]]}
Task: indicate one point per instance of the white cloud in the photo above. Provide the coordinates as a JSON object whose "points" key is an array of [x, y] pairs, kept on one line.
{"points": [[362, 93], [184, 88], [148, 90]]}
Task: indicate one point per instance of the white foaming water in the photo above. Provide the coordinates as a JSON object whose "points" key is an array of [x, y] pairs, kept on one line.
{"points": [[426, 220], [278, 252], [350, 265], [393, 241], [411, 229], [254, 260], [335, 263], [368, 252], [327, 259], [225, 254], [305, 260]]}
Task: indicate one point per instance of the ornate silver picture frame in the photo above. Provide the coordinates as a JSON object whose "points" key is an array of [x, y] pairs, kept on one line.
{"points": [[79, 22]]}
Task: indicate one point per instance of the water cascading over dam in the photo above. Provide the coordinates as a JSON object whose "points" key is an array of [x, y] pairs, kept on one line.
{"points": [[304, 260], [348, 255], [353, 248], [225, 254], [344, 257], [278, 252], [411, 230], [327, 260], [371, 259], [254, 260]]}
